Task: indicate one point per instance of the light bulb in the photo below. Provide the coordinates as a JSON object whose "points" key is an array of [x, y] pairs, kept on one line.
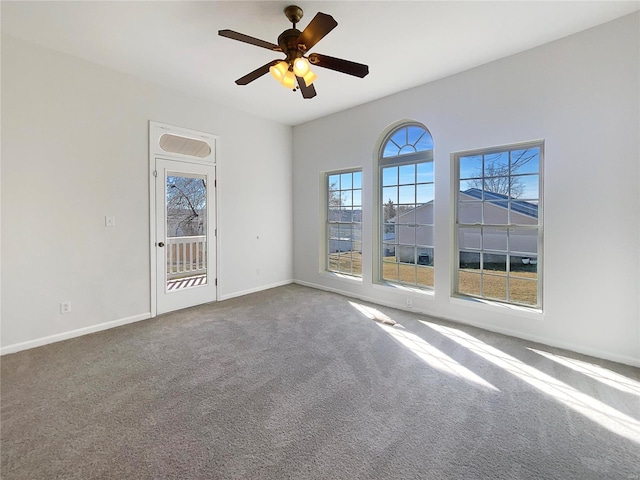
{"points": [[300, 66], [279, 70], [309, 78], [289, 80]]}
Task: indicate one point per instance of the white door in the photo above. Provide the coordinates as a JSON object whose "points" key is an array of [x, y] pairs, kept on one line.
{"points": [[185, 239]]}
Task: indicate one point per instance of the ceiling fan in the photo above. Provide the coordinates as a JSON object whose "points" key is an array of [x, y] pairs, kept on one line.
{"points": [[296, 67]]}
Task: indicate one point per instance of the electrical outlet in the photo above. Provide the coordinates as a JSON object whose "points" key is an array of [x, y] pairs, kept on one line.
{"points": [[65, 307], [409, 303]]}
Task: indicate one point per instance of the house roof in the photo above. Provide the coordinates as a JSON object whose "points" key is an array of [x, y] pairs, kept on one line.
{"points": [[520, 206]]}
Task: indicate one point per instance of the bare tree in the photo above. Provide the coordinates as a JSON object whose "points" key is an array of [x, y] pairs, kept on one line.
{"points": [[186, 203], [497, 178]]}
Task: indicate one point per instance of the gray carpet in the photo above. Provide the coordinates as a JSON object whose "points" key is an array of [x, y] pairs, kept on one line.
{"points": [[296, 383]]}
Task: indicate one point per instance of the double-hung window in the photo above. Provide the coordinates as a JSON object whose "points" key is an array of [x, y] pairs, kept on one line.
{"points": [[499, 223], [406, 207], [344, 222]]}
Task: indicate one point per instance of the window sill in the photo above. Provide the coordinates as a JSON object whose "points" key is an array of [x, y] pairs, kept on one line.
{"points": [[403, 288], [341, 276], [489, 305]]}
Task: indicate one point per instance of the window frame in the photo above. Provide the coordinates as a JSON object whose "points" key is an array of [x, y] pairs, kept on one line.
{"points": [[328, 222], [413, 158], [540, 144]]}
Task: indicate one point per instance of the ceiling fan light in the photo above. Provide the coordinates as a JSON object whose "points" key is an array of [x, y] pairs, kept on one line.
{"points": [[279, 70], [309, 78], [289, 80], [300, 66]]}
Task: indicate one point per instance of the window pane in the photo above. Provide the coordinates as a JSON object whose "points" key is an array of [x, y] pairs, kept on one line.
{"points": [[414, 133], [494, 263], [527, 187], [334, 182], [390, 271], [425, 256], [406, 234], [424, 172], [497, 188], [407, 273], [390, 194], [523, 240], [470, 212], [345, 181], [347, 197], [389, 252], [400, 137], [389, 176], [425, 143], [524, 213], [408, 194], [424, 235], [357, 179], [407, 214], [523, 291], [496, 164], [425, 193], [424, 276], [390, 150], [494, 239], [406, 254], [357, 198], [471, 190], [494, 287], [471, 167], [334, 214], [525, 161], [470, 261], [496, 213], [469, 283], [407, 174], [389, 212], [470, 239], [346, 215], [424, 214], [523, 266]]}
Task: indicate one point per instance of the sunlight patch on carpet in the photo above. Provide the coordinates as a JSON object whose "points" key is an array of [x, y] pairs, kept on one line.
{"points": [[595, 410], [601, 374]]}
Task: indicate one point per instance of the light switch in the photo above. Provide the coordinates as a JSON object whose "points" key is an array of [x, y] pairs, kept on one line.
{"points": [[110, 221]]}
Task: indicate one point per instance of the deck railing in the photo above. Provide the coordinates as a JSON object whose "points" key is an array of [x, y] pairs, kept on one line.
{"points": [[186, 256]]}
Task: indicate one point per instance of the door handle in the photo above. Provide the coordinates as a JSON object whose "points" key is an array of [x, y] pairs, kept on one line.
{"points": [[161, 244]]}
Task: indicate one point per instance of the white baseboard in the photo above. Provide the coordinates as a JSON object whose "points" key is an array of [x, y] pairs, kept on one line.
{"points": [[254, 290], [58, 337], [627, 360]]}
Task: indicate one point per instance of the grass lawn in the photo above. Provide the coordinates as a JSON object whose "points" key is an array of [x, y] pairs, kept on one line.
{"points": [[523, 287]]}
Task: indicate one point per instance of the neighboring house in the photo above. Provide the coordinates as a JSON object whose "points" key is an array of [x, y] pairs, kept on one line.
{"points": [[344, 238], [417, 223]]}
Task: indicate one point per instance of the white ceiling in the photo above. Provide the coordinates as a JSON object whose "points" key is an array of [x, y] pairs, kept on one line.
{"points": [[405, 44]]}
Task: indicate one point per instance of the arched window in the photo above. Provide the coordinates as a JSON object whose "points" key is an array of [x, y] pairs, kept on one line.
{"points": [[406, 211]]}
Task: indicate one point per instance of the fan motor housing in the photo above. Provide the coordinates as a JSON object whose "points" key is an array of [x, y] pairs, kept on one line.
{"points": [[288, 42]]}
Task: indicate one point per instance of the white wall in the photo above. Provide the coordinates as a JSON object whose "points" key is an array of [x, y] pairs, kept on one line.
{"points": [[74, 149], [581, 95]]}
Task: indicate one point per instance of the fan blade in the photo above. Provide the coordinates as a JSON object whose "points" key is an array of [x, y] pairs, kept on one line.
{"points": [[307, 92], [316, 30], [339, 65], [241, 37], [257, 73]]}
